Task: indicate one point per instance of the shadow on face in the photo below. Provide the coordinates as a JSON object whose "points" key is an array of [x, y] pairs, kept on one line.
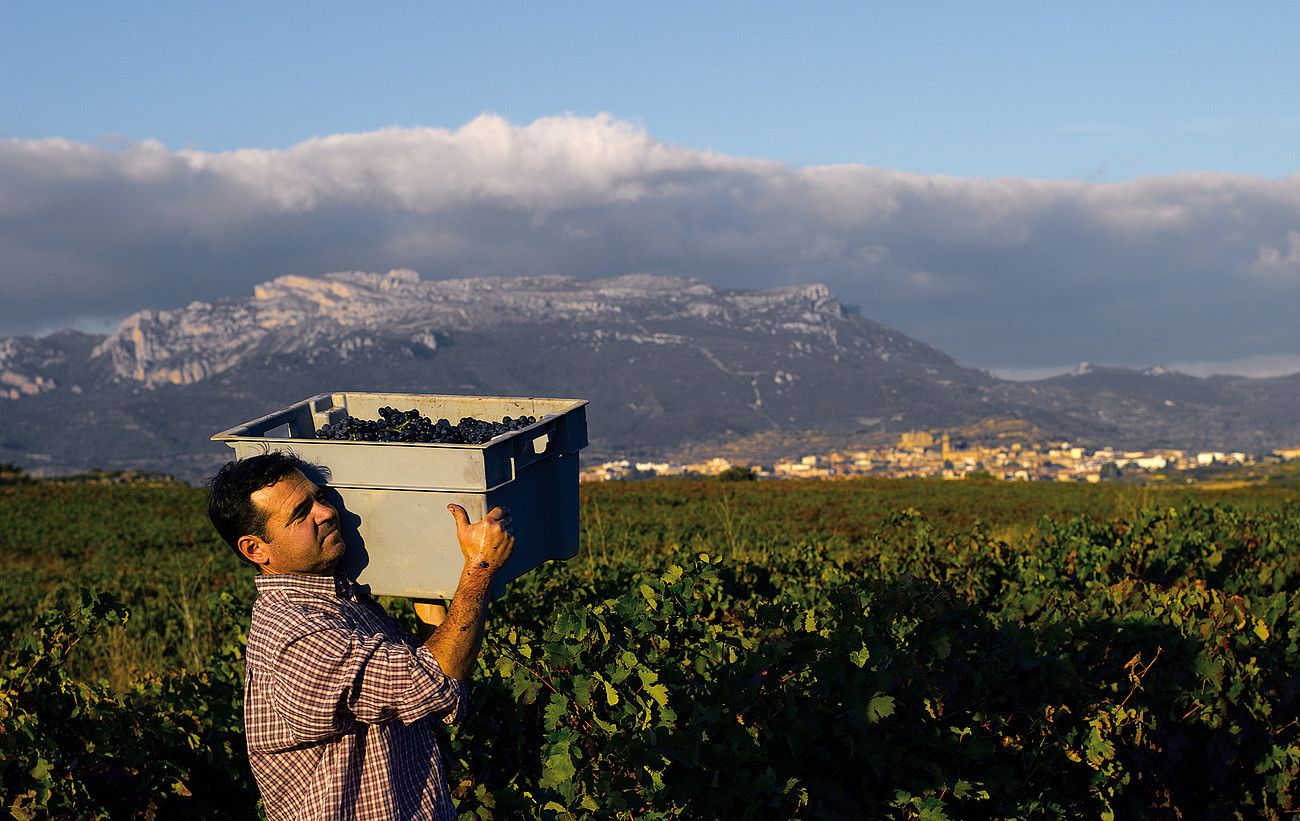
{"points": [[356, 557]]}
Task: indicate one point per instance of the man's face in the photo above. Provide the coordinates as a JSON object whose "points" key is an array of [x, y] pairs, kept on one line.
{"points": [[302, 532]]}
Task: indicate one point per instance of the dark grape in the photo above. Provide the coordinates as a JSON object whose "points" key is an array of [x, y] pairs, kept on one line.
{"points": [[411, 426]]}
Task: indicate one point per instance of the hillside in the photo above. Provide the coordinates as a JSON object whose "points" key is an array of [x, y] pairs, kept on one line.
{"points": [[668, 363]]}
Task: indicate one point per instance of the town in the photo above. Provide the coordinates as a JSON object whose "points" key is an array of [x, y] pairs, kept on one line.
{"points": [[937, 455]]}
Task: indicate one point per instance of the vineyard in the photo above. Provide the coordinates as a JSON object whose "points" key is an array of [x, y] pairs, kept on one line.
{"points": [[830, 650]]}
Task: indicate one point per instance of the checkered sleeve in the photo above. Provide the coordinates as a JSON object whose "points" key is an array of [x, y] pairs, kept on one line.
{"points": [[330, 676]]}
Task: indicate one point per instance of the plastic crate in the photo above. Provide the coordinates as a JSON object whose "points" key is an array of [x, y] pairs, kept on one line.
{"points": [[392, 497]]}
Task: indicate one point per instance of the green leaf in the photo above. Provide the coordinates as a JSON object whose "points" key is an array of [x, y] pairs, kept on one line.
{"points": [[881, 706], [942, 647], [505, 666], [931, 809], [555, 710], [611, 695], [582, 687], [965, 789], [606, 726], [1098, 749], [618, 674], [42, 770], [558, 769], [658, 692]]}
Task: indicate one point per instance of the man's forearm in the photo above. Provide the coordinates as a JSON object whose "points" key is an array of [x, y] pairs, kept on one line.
{"points": [[455, 643]]}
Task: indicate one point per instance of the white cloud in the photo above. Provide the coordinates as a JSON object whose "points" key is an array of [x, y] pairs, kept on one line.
{"points": [[1030, 374], [1256, 365], [1273, 262], [1014, 271], [552, 163]]}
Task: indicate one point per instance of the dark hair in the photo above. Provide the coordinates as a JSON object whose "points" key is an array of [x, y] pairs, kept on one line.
{"points": [[230, 492]]}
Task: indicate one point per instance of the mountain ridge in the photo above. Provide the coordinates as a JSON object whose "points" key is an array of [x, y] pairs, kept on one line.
{"points": [[667, 362]]}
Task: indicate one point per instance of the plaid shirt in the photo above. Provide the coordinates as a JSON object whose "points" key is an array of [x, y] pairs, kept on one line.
{"points": [[339, 706]]}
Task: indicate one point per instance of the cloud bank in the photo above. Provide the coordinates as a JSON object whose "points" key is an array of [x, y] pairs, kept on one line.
{"points": [[1004, 273]]}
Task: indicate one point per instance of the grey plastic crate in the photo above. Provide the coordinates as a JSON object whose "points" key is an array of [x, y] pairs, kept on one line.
{"points": [[393, 497]]}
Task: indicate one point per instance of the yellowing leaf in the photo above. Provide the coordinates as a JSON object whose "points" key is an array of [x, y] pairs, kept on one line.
{"points": [[649, 595], [658, 692]]}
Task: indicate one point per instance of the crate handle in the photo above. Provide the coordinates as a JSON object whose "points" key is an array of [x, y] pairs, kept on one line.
{"points": [[297, 418], [533, 445]]}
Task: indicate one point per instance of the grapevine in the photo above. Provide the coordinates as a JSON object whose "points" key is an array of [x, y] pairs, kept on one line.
{"points": [[814, 654]]}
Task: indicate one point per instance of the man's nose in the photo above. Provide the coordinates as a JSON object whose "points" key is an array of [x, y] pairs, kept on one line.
{"points": [[325, 511]]}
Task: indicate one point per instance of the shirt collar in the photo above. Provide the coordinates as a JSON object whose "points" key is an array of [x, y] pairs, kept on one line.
{"points": [[336, 585]]}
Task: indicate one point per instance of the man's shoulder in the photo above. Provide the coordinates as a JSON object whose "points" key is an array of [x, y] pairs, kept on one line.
{"points": [[279, 601], [284, 614]]}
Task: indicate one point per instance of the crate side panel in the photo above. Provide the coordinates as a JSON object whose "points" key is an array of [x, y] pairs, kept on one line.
{"points": [[403, 542], [390, 465], [386, 464], [543, 505], [572, 430]]}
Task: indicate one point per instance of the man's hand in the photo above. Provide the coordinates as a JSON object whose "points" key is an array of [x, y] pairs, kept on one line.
{"points": [[487, 543]]}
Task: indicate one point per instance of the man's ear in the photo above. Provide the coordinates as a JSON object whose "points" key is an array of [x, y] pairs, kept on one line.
{"points": [[254, 549]]}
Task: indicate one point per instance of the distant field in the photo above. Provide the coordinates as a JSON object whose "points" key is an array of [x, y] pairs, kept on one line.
{"points": [[151, 543]]}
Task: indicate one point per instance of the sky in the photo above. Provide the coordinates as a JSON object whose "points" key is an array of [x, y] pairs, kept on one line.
{"points": [[1024, 186]]}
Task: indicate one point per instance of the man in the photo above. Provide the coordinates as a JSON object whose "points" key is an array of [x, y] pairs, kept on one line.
{"points": [[339, 703]]}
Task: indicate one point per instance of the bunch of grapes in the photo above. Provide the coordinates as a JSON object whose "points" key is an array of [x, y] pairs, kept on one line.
{"points": [[410, 426]]}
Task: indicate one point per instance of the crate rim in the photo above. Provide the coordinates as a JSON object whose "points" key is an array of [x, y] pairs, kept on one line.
{"points": [[233, 434]]}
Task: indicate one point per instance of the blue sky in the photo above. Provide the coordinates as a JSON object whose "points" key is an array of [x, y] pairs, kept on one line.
{"points": [[1023, 185], [1096, 91]]}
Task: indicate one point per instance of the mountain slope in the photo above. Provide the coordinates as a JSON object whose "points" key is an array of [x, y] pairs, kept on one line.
{"points": [[665, 361]]}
